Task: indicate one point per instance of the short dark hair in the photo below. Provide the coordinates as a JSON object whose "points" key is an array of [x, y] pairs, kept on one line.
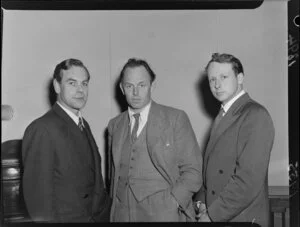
{"points": [[67, 64], [237, 66], [133, 63]]}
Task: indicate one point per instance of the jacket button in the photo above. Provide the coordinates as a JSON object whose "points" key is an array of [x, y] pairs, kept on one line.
{"points": [[220, 171], [85, 196], [213, 192]]}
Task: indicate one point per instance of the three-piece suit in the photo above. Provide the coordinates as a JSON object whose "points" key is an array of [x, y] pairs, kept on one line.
{"points": [[154, 178]]}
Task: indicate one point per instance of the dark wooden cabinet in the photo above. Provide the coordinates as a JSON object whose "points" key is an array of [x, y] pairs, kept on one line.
{"points": [[12, 201]]}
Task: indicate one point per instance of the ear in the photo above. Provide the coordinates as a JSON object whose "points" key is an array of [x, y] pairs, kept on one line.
{"points": [[153, 86], [240, 78], [121, 87], [56, 86]]}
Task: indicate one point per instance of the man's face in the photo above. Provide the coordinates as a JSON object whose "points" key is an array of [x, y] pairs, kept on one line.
{"points": [[137, 87], [223, 82], [72, 91]]}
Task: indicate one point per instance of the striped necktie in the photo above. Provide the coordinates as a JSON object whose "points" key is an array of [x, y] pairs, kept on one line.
{"points": [[80, 124], [135, 127]]}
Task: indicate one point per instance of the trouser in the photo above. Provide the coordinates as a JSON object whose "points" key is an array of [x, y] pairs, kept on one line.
{"points": [[158, 207]]}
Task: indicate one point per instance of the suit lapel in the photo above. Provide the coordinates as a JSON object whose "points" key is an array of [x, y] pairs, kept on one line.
{"points": [[72, 129], [99, 182], [155, 127], [119, 134], [93, 146], [155, 135], [225, 123]]}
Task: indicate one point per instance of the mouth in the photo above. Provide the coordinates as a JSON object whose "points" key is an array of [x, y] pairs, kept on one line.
{"points": [[79, 98], [220, 93]]}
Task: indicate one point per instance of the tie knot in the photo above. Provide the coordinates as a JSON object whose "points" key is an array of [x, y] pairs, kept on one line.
{"points": [[221, 112], [136, 116]]}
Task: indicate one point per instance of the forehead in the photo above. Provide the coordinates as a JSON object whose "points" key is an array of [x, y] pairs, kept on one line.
{"points": [[136, 74], [216, 68], [75, 73]]}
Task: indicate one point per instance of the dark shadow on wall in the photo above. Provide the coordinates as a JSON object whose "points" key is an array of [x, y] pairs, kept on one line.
{"points": [[207, 102], [119, 97], [51, 93], [107, 159], [122, 104]]}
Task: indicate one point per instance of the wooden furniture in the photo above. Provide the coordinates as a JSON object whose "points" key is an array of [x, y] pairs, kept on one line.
{"points": [[13, 206], [279, 203]]}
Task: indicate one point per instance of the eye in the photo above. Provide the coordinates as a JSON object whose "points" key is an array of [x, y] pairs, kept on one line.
{"points": [[142, 85], [223, 77], [72, 83], [85, 84], [212, 80], [128, 86]]}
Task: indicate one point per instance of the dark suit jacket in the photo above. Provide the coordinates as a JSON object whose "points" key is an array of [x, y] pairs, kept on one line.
{"points": [[58, 182], [173, 148], [235, 166]]}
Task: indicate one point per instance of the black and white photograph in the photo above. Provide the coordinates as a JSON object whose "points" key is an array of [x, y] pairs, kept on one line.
{"points": [[179, 111]]}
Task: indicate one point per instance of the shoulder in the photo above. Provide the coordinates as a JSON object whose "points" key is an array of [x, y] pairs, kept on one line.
{"points": [[45, 122], [168, 110], [116, 120], [254, 108], [254, 113], [173, 116]]}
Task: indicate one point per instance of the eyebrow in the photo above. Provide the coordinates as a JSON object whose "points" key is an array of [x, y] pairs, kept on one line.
{"points": [[71, 79]]}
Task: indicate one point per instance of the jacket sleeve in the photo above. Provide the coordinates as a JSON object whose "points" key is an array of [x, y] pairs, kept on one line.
{"points": [[255, 140], [38, 158], [189, 161], [109, 159]]}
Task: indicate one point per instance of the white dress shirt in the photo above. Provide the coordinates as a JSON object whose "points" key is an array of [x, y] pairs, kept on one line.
{"points": [[229, 104], [142, 120], [73, 116]]}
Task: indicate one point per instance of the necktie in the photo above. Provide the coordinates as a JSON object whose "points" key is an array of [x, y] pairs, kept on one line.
{"points": [[218, 119], [135, 127], [80, 123]]}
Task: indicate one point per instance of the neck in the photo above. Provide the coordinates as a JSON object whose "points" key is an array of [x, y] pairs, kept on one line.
{"points": [[75, 111]]}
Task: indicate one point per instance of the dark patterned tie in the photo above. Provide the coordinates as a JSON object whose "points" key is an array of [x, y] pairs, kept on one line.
{"points": [[135, 127], [80, 123]]}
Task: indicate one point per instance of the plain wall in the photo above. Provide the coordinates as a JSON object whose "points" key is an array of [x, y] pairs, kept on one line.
{"points": [[176, 44]]}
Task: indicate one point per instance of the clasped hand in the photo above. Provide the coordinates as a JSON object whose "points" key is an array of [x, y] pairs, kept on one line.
{"points": [[201, 212]]}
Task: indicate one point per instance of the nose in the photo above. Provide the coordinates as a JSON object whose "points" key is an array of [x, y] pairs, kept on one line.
{"points": [[217, 84], [79, 87], [135, 91]]}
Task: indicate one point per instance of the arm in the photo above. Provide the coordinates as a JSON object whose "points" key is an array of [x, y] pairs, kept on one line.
{"points": [[254, 144], [109, 158], [38, 158], [189, 161]]}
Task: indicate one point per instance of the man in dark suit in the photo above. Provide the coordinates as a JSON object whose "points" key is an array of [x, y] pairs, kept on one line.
{"points": [[236, 159], [155, 165], [62, 180]]}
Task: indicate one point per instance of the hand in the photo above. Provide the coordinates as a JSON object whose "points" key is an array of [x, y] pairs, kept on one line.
{"points": [[203, 217], [199, 207]]}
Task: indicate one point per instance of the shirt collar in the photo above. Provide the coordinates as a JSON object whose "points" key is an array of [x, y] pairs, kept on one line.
{"points": [[143, 114], [229, 104], [73, 116]]}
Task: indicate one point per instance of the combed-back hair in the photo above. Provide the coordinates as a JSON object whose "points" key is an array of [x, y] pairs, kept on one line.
{"points": [[133, 63], [67, 64], [237, 66]]}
